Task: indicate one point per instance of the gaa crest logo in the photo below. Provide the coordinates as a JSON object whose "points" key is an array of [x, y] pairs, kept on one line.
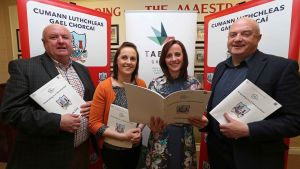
{"points": [[240, 109], [79, 45], [64, 102]]}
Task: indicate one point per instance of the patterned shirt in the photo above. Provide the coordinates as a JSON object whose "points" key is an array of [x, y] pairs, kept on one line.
{"points": [[174, 147], [69, 73]]}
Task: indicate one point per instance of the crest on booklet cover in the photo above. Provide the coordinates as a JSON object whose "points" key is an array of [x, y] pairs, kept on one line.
{"points": [[79, 47], [64, 102], [120, 128], [183, 108], [240, 109]]}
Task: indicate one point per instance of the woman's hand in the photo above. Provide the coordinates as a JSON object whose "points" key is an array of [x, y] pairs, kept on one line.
{"points": [[199, 122], [133, 135], [157, 124]]}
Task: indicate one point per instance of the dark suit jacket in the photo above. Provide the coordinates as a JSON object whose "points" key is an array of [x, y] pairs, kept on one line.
{"points": [[264, 149], [39, 143]]}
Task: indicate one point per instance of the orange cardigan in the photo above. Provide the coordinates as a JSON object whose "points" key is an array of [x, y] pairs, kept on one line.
{"points": [[103, 97]]}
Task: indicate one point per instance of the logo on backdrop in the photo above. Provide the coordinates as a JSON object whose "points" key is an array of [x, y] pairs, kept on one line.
{"points": [[160, 37], [79, 45]]}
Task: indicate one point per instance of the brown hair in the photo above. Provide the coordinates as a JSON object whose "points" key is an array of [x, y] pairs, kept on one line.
{"points": [[115, 65], [162, 60]]}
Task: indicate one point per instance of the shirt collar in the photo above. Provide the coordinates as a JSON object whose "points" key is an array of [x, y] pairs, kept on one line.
{"points": [[229, 63], [62, 66]]}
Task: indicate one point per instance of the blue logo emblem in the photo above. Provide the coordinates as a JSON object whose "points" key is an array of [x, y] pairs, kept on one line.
{"points": [[79, 45]]}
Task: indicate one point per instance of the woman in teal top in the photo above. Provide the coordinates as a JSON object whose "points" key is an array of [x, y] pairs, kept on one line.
{"points": [[172, 146]]}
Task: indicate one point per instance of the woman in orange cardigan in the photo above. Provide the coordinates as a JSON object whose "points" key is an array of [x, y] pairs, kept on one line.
{"points": [[111, 91]]}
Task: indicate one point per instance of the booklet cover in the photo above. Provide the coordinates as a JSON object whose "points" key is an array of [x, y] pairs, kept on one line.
{"points": [[175, 108], [118, 120], [247, 103], [58, 96]]}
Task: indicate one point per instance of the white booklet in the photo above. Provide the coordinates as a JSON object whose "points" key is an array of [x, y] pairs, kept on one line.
{"points": [[58, 96], [247, 103], [175, 108], [118, 120]]}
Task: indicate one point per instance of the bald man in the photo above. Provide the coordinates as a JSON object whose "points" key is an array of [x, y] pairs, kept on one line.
{"points": [[256, 145], [47, 140]]}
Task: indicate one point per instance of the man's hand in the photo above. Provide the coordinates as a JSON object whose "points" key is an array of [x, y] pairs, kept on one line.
{"points": [[234, 129], [85, 109], [198, 121], [70, 122]]}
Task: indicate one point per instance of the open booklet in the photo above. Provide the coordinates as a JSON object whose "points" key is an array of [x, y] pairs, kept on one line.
{"points": [[175, 108], [247, 103], [118, 120], [58, 96]]}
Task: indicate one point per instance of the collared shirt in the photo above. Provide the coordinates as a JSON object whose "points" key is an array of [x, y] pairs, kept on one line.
{"points": [[69, 73], [232, 77]]}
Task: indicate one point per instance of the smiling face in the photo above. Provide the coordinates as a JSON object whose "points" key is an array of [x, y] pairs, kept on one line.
{"points": [[57, 41], [126, 61], [243, 39], [174, 60]]}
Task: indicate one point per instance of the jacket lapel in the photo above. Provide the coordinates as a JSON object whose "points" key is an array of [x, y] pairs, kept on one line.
{"points": [[256, 65], [49, 65], [218, 74]]}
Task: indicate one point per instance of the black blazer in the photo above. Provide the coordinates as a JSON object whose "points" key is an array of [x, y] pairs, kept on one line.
{"points": [[39, 142], [264, 149]]}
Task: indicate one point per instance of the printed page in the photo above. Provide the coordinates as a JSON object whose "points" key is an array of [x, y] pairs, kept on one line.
{"points": [[143, 103], [58, 96], [183, 104], [118, 120], [247, 103]]}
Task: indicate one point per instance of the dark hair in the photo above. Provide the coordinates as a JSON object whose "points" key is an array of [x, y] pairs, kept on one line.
{"points": [[115, 64], [162, 60]]}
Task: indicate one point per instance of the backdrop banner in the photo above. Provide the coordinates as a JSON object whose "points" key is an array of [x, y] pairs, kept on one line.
{"points": [[150, 30]]}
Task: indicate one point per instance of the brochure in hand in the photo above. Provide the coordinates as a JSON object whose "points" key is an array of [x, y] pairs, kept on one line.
{"points": [[118, 120], [175, 108], [58, 96], [247, 103]]}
